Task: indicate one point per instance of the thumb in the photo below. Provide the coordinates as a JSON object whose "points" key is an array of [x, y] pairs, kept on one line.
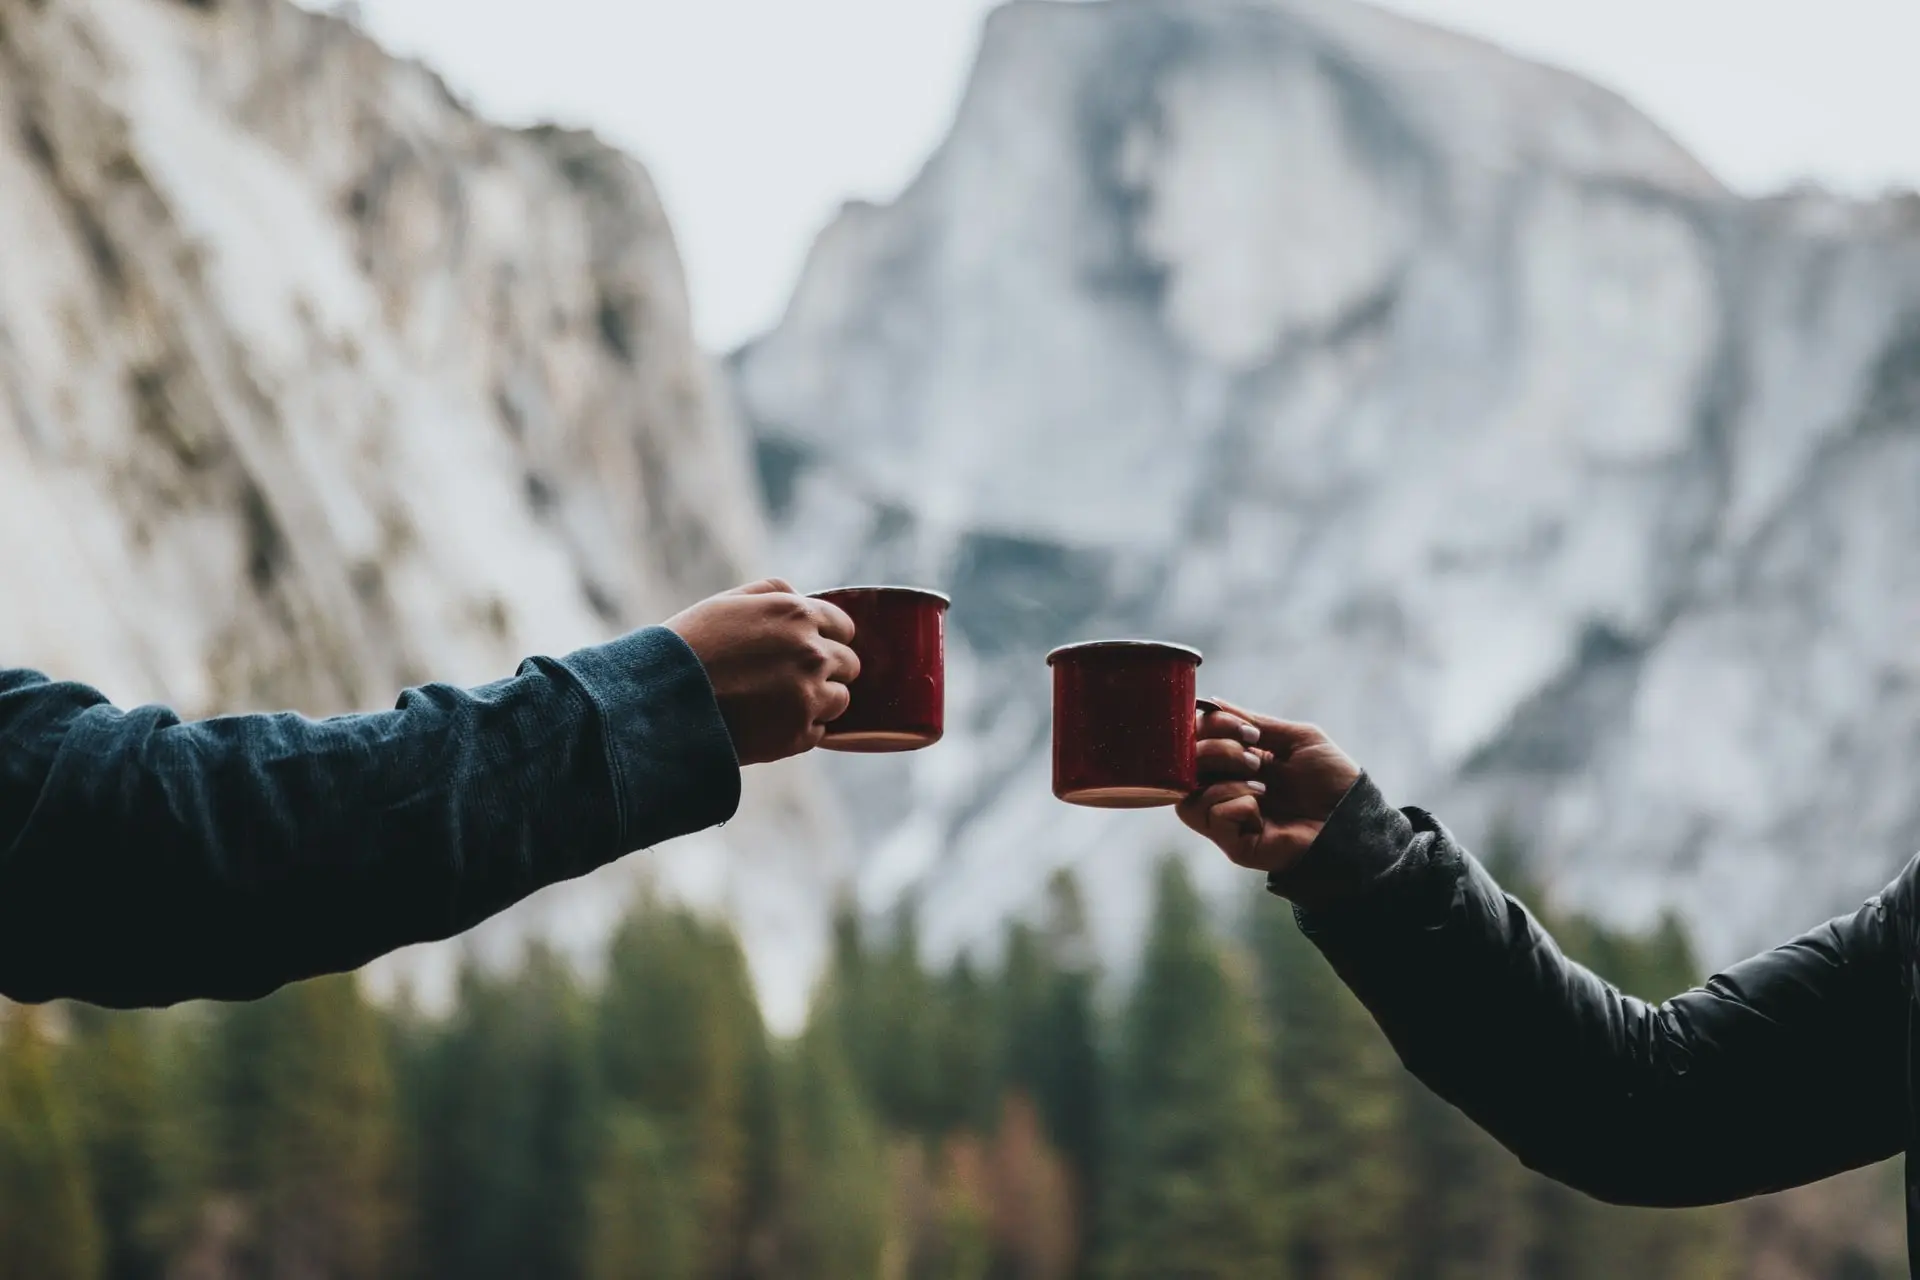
{"points": [[764, 587]]}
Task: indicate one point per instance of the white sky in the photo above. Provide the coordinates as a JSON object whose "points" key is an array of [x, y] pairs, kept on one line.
{"points": [[758, 117]]}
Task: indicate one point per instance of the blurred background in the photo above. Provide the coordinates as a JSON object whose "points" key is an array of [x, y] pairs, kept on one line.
{"points": [[1529, 394]]}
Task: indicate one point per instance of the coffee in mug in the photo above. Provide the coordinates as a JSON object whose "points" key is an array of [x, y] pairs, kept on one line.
{"points": [[900, 696]]}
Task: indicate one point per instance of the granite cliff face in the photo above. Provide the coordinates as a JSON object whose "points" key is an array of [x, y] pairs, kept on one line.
{"points": [[1440, 397], [313, 385]]}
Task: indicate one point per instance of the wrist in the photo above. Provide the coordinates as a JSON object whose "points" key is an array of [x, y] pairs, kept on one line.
{"points": [[1360, 840]]}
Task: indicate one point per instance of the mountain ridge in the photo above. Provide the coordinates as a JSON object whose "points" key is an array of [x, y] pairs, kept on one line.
{"points": [[1441, 399], [314, 385]]}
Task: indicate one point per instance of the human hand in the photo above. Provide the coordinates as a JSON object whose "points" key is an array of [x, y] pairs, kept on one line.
{"points": [[1267, 786], [779, 663]]}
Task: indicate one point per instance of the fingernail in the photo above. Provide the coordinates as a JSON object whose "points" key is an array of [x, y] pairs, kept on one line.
{"points": [[1252, 759], [1249, 734], [1258, 788]]}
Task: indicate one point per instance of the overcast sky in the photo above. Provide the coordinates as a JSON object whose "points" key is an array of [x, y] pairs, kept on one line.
{"points": [[758, 117]]}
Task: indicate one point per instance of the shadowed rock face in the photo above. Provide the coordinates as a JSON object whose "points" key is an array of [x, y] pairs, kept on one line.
{"points": [[1440, 397], [313, 385]]}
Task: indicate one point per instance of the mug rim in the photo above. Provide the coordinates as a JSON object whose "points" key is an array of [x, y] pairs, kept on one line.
{"points": [[924, 592], [1164, 646]]}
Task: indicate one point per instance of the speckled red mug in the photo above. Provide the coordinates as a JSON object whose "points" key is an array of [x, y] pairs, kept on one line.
{"points": [[1124, 723], [900, 697]]}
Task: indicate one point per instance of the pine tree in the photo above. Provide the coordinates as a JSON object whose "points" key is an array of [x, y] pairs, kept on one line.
{"points": [[1050, 1031], [644, 1214], [1073, 1088], [964, 1053], [512, 1113], [896, 1026], [1196, 1186], [190, 1220], [905, 1080], [1029, 1198], [845, 1009], [48, 1230], [307, 1129], [1344, 1146], [762, 1186], [681, 1042], [412, 1038], [113, 1063], [1026, 992], [834, 1200], [962, 1247]]}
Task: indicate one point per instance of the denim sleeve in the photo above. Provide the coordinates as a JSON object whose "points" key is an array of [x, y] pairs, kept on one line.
{"points": [[145, 861]]}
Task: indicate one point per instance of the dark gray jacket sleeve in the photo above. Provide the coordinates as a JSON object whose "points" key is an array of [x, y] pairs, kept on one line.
{"points": [[1784, 1069], [144, 860]]}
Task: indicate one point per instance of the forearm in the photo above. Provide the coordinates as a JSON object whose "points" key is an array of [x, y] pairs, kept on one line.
{"points": [[1784, 1069], [145, 861]]}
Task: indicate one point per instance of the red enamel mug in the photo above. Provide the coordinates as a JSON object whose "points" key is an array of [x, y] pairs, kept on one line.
{"points": [[1123, 723], [900, 697]]}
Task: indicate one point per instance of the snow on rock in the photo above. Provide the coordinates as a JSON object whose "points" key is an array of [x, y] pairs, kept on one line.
{"points": [[313, 385], [1442, 398]]}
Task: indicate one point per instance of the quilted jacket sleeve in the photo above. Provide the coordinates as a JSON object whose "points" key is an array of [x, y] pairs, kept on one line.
{"points": [[1786, 1068]]}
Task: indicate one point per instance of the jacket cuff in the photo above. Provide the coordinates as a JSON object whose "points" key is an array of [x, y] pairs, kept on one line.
{"points": [[669, 755], [1364, 837]]}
